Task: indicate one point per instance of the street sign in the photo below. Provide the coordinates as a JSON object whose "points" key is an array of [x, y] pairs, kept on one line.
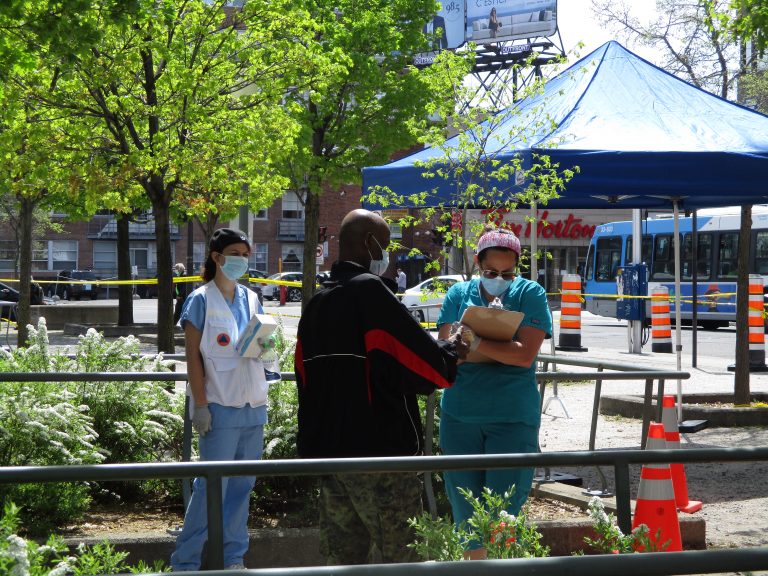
{"points": [[319, 257]]}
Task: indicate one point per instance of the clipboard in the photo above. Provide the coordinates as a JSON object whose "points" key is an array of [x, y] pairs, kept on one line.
{"points": [[491, 324]]}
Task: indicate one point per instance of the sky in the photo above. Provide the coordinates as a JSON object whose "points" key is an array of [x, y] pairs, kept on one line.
{"points": [[578, 23]]}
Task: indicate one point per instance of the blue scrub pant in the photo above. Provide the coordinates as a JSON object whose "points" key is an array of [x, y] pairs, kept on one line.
{"points": [[237, 443], [462, 438]]}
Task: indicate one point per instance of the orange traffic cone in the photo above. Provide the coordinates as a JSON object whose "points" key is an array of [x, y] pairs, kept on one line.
{"points": [[672, 435], [656, 499]]}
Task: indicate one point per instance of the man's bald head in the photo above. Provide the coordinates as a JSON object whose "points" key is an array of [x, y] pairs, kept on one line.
{"points": [[356, 237]]}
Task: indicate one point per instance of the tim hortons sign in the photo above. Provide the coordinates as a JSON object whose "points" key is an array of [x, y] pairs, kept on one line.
{"points": [[571, 227]]}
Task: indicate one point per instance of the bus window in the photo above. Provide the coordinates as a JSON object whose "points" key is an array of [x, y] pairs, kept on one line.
{"points": [[703, 262], [663, 258], [728, 255], [608, 258], [590, 263], [645, 250], [761, 253]]}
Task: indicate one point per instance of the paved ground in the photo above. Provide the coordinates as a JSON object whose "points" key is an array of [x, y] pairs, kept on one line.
{"points": [[735, 495]]}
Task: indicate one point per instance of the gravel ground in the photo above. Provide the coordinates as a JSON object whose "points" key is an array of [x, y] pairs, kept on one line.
{"points": [[735, 495]]}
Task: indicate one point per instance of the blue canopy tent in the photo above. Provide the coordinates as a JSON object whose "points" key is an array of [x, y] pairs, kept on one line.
{"points": [[640, 136]]}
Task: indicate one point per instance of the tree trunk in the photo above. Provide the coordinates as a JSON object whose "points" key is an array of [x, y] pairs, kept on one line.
{"points": [[165, 301], [311, 230], [124, 291], [741, 374], [26, 208]]}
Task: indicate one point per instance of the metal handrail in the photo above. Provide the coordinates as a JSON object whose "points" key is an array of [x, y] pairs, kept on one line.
{"points": [[215, 471]]}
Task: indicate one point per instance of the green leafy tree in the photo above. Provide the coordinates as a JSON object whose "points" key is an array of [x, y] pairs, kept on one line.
{"points": [[360, 100], [471, 153], [35, 171], [750, 22], [186, 94]]}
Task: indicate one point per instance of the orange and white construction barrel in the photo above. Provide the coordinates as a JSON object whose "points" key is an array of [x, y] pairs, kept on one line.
{"points": [[570, 314], [661, 325]]}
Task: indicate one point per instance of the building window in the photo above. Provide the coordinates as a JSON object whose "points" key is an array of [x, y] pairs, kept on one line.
{"points": [[105, 257], [198, 257], [395, 232], [292, 257], [54, 255], [293, 207], [262, 214], [259, 257], [7, 254]]}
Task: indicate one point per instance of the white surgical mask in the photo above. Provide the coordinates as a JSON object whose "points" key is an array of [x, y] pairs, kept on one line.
{"points": [[495, 286], [378, 267], [234, 267]]}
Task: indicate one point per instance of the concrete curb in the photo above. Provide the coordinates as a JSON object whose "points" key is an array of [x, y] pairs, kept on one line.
{"points": [[631, 406], [295, 547]]}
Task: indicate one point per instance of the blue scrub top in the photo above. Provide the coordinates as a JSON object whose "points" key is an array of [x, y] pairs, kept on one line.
{"points": [[490, 391], [194, 308]]}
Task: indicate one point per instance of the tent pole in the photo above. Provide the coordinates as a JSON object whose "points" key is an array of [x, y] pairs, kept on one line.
{"points": [[678, 305], [534, 244], [635, 333]]}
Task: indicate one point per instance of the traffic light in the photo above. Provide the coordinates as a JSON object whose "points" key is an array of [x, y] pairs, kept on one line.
{"points": [[322, 234]]}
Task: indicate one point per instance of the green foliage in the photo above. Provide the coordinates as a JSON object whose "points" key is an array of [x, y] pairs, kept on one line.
{"points": [[611, 540], [478, 162], [20, 557], [491, 526], [750, 22], [45, 423]]}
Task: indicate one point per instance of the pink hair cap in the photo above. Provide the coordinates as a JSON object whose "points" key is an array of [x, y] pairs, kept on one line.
{"points": [[499, 239]]}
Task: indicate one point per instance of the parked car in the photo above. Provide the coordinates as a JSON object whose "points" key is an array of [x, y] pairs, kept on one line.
{"points": [[323, 276], [70, 291], [8, 294], [431, 293], [255, 286], [272, 291]]}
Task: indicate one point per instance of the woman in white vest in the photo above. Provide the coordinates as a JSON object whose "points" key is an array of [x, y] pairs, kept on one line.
{"points": [[228, 393]]}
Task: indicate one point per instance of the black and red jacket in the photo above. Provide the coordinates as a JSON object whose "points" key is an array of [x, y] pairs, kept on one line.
{"points": [[361, 358]]}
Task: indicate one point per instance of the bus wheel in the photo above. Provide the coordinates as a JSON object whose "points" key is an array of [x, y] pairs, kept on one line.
{"points": [[710, 325]]}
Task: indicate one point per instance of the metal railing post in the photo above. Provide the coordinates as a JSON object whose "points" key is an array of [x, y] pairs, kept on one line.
{"points": [[659, 399], [647, 411], [623, 500], [213, 481], [429, 434], [186, 452]]}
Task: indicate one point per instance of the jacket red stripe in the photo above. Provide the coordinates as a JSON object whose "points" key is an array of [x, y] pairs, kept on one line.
{"points": [[381, 340]]}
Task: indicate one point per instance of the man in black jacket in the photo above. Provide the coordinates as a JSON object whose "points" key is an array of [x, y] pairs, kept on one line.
{"points": [[361, 359]]}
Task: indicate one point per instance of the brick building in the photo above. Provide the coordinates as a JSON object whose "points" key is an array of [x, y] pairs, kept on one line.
{"points": [[278, 238]]}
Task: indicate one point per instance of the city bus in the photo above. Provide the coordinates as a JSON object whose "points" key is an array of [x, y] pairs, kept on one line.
{"points": [[716, 262]]}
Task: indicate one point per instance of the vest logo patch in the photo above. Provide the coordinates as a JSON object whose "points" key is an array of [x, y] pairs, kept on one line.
{"points": [[223, 339]]}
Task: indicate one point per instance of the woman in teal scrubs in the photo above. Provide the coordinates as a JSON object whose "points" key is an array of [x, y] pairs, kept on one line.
{"points": [[493, 407]]}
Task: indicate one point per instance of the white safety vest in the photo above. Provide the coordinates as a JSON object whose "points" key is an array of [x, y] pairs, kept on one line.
{"points": [[230, 379]]}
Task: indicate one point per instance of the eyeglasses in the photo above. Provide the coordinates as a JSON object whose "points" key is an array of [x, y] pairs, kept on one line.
{"points": [[491, 274]]}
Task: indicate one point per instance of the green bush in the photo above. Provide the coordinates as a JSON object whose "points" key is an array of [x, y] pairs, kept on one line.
{"points": [[22, 557], [135, 421], [82, 423]]}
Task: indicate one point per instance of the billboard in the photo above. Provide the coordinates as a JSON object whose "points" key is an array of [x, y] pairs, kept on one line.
{"points": [[490, 21], [447, 25]]}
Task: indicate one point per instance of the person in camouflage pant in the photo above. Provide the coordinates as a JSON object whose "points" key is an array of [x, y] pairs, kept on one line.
{"points": [[355, 506], [360, 361]]}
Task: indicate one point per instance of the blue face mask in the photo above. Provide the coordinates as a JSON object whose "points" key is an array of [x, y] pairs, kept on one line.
{"points": [[234, 267], [495, 286]]}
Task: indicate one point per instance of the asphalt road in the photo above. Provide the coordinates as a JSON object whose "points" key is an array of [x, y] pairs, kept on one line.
{"points": [[597, 332]]}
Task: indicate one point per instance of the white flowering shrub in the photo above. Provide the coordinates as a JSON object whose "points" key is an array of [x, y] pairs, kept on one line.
{"points": [[135, 421], [84, 422], [609, 537], [20, 557]]}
